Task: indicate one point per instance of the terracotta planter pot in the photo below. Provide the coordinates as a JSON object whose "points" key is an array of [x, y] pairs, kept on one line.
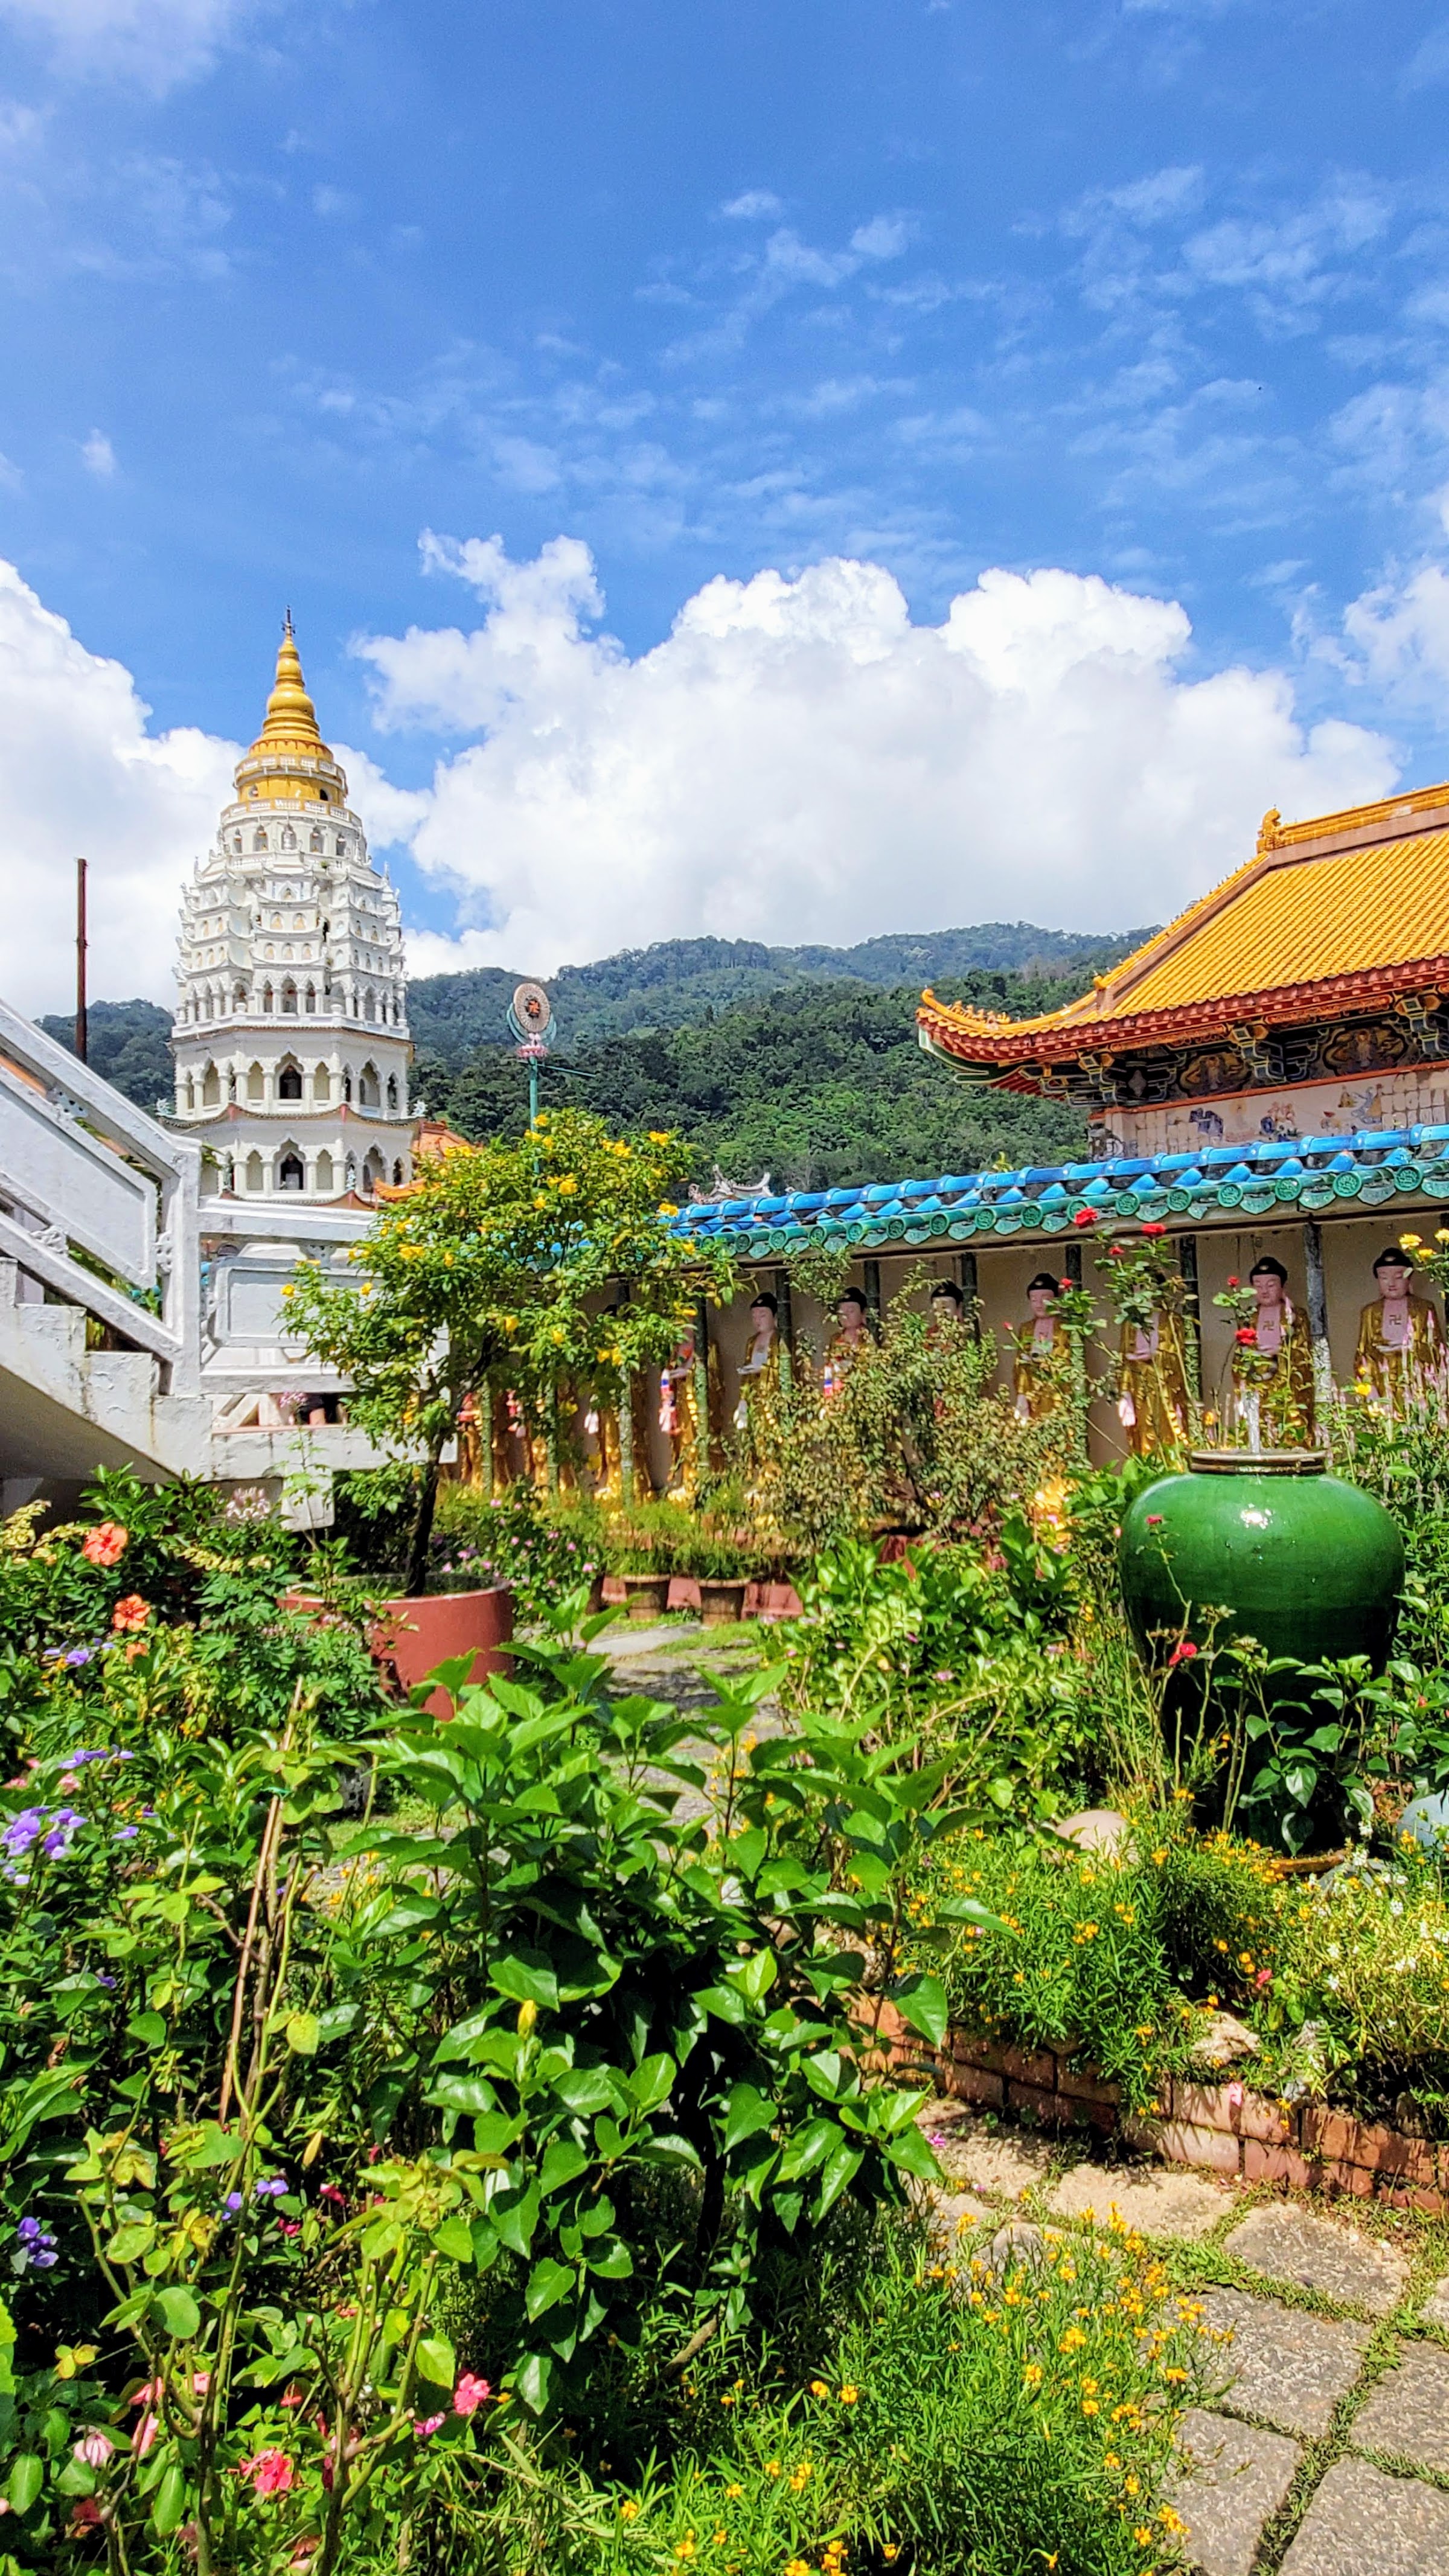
{"points": [[772, 1601], [416, 1635], [647, 1595], [721, 1599]]}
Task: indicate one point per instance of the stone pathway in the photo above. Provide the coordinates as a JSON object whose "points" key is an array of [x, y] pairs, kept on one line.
{"points": [[1306, 2407]]}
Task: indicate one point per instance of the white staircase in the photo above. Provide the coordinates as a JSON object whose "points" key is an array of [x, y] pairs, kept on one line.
{"points": [[119, 1344]]}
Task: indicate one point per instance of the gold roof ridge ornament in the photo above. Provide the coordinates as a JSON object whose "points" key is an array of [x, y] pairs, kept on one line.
{"points": [[289, 759]]}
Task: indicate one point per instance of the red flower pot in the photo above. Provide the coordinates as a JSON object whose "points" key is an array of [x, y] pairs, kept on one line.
{"points": [[416, 1635]]}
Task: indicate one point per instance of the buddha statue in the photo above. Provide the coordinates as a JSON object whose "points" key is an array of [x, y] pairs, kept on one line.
{"points": [[761, 1363], [1272, 1366], [1400, 1337], [852, 1334], [1152, 1398], [948, 1312], [1039, 1347]]}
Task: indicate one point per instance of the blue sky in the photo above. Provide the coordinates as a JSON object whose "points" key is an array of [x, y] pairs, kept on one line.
{"points": [[1154, 291]]}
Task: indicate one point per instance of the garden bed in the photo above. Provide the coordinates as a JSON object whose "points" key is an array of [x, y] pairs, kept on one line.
{"points": [[1226, 2127]]}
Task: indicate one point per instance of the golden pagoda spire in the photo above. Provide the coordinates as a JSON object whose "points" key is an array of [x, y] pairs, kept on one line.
{"points": [[289, 757]]}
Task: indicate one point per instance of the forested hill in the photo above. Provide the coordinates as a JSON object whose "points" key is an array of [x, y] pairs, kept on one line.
{"points": [[799, 1062], [814, 1083], [684, 979]]}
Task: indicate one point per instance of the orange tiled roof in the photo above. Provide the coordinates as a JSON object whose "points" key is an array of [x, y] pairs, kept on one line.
{"points": [[1346, 908]]}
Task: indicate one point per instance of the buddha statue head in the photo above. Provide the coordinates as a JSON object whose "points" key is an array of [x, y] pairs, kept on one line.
{"points": [[1039, 1293]]}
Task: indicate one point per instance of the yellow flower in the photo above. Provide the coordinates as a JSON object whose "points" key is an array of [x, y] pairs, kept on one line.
{"points": [[567, 1186], [848, 2395], [734, 2494], [1031, 2375], [658, 1136], [668, 1208], [628, 2510], [289, 1292], [818, 2388], [772, 2468], [1410, 1242]]}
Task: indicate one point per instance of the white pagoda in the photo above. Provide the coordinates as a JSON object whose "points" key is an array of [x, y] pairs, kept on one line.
{"points": [[291, 1037]]}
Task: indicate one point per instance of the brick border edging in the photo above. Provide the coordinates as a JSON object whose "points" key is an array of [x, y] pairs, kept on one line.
{"points": [[1225, 2127]]}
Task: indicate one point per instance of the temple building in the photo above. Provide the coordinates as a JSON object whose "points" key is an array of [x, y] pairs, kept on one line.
{"points": [[1266, 1080], [291, 1038]]}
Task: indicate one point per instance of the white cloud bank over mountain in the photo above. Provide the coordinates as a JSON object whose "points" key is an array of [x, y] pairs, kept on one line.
{"points": [[796, 760]]}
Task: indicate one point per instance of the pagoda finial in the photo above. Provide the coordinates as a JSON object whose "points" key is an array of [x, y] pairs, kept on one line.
{"points": [[290, 712]]}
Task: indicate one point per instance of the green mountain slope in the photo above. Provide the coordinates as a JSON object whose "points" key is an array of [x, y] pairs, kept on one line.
{"points": [[816, 1083], [128, 1043], [678, 980], [800, 1062]]}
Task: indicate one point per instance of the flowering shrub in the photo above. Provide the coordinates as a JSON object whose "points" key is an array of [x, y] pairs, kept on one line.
{"points": [[511, 1539]]}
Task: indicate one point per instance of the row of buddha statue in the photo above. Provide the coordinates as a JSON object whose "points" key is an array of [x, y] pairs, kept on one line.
{"points": [[1270, 1394]]}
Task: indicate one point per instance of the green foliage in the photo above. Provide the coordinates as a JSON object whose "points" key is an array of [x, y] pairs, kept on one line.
{"points": [[515, 1539], [501, 1261], [127, 1043], [916, 1433], [1006, 965], [818, 1084], [940, 1645], [957, 2421], [160, 1607], [1100, 1949], [1402, 1458], [324, 2137]]}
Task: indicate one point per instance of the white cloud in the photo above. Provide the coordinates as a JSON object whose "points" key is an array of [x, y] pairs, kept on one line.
{"points": [[884, 237], [756, 205], [156, 42], [797, 760], [80, 775], [98, 456]]}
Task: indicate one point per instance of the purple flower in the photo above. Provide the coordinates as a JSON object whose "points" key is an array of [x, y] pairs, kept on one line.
{"points": [[63, 1823], [105, 1981], [34, 2247], [78, 1655], [271, 2186], [125, 1833], [233, 2202]]}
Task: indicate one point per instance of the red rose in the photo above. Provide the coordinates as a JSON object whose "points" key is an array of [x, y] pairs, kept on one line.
{"points": [[1154, 1229], [1247, 1336], [1085, 1216], [1064, 1284], [1183, 1653], [1234, 1283]]}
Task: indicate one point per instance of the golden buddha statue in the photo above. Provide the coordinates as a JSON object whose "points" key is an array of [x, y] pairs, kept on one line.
{"points": [[1039, 1349], [1152, 1397], [852, 1334], [760, 1367], [1272, 1367], [1400, 1338]]}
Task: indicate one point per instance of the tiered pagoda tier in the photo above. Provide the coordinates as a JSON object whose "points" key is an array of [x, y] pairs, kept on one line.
{"points": [[291, 1038]]}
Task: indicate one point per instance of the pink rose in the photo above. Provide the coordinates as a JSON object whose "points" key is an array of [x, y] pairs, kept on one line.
{"points": [[470, 2394]]}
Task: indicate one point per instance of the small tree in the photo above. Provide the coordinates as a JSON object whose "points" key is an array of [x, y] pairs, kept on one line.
{"points": [[501, 1258]]}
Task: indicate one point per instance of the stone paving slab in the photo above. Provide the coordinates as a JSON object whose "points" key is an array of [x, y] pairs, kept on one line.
{"points": [[951, 2215], [1288, 2369], [1435, 2310], [1361, 2523], [1289, 2245], [1408, 2410], [1232, 2477], [1001, 2164], [1155, 2203]]}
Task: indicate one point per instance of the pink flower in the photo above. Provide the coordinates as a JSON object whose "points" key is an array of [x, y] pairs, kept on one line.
{"points": [[271, 2473], [289, 2226], [85, 2513], [145, 2434], [1154, 1520], [94, 2447], [106, 1545], [133, 1612], [469, 2394], [427, 2424]]}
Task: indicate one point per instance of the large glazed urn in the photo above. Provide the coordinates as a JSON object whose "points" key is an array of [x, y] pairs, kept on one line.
{"points": [[1310, 1566]]}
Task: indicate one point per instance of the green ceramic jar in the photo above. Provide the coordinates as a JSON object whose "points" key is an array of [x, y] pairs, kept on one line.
{"points": [[1308, 1565]]}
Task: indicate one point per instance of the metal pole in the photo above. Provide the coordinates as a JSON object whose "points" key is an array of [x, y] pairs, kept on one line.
{"points": [[532, 1093], [82, 1034]]}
